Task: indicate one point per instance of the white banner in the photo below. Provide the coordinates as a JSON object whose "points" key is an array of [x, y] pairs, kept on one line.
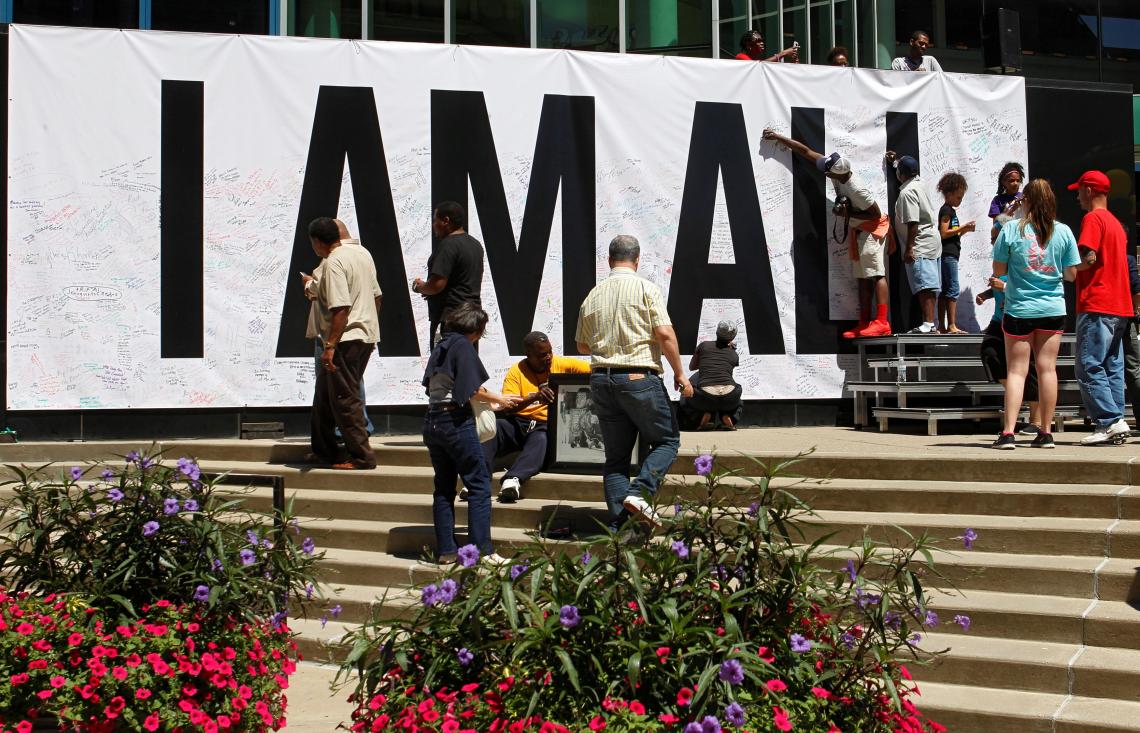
{"points": [[86, 146]]}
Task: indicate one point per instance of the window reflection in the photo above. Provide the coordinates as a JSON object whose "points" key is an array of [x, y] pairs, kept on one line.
{"points": [[85, 13], [232, 16], [492, 22], [407, 20], [586, 25]]}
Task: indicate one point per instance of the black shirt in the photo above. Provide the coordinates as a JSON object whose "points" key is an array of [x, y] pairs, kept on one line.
{"points": [[716, 363], [950, 245], [460, 260]]}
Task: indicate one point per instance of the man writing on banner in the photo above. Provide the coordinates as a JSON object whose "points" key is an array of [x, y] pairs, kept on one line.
{"points": [[313, 327], [455, 269], [623, 324], [522, 429], [865, 230], [348, 299]]}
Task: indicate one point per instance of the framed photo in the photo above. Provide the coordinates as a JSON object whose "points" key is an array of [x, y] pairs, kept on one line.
{"points": [[574, 435]]}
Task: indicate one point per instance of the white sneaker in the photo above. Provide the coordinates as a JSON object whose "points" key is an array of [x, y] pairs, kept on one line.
{"points": [[639, 507], [1119, 429], [510, 491], [1099, 435], [495, 559]]}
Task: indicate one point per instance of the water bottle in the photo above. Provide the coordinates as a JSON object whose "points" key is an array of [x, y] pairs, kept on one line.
{"points": [[902, 371]]}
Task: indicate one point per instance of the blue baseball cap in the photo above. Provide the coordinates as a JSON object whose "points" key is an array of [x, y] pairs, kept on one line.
{"points": [[907, 166]]}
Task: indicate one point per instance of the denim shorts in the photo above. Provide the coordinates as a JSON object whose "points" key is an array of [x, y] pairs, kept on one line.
{"points": [[924, 273], [950, 289]]}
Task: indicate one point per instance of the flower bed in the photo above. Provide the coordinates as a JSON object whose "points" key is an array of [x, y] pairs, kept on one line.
{"points": [[175, 668], [732, 620]]}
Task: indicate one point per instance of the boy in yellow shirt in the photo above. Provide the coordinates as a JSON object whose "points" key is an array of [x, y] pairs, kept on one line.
{"points": [[523, 429]]}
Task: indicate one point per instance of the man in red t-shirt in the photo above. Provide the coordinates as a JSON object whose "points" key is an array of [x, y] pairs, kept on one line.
{"points": [[1104, 310]]}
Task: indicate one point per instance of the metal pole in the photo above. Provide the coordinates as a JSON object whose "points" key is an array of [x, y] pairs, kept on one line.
{"points": [[448, 17], [534, 23], [854, 8], [622, 30], [716, 30], [1099, 43]]}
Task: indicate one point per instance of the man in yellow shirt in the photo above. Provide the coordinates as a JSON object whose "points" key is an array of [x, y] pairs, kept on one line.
{"points": [[524, 428]]}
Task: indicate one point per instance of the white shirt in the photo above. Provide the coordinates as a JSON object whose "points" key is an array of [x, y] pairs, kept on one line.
{"points": [[903, 63]]}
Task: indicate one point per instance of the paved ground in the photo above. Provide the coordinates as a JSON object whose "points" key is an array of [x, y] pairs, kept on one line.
{"points": [[313, 707]]}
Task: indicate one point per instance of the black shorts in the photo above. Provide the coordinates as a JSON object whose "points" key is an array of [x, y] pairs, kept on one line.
{"points": [[1023, 328]]}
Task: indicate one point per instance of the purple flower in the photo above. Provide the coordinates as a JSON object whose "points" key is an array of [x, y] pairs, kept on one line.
{"points": [[931, 619], [693, 727], [251, 537], [864, 599], [296, 525], [430, 595], [335, 610], [107, 474], [324, 620], [677, 509], [799, 644], [447, 590], [132, 457], [892, 619], [914, 639], [202, 593], [963, 621], [309, 590], [709, 724], [731, 671], [568, 616], [586, 556], [308, 546], [188, 468], [248, 556], [146, 462], [465, 656], [848, 639], [468, 555], [851, 570], [115, 495], [754, 509], [517, 570], [150, 528], [968, 538], [217, 564], [267, 543], [76, 473], [170, 506], [734, 714], [703, 464], [190, 505], [680, 549]]}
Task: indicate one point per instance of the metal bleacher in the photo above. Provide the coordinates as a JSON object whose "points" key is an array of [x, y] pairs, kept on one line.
{"points": [[939, 377]]}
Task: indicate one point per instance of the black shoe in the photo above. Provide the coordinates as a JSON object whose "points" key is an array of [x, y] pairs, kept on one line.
{"points": [[1029, 429], [1005, 441], [1043, 440]]}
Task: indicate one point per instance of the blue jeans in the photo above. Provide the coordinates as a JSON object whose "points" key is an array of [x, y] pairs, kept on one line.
{"points": [[317, 347], [629, 405], [950, 289], [1100, 365], [455, 452]]}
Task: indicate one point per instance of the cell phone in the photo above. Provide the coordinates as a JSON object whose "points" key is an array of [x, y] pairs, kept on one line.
{"points": [[796, 45]]}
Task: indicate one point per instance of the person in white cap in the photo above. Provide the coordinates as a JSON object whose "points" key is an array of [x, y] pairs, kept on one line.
{"points": [[716, 395], [865, 232]]}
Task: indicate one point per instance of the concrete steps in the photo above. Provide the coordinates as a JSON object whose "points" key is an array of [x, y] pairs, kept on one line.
{"points": [[1053, 588]]}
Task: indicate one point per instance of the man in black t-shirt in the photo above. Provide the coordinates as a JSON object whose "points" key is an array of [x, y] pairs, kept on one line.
{"points": [[455, 269]]}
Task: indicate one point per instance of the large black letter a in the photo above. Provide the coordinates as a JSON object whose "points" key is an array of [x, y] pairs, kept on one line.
{"points": [[345, 124], [720, 143]]}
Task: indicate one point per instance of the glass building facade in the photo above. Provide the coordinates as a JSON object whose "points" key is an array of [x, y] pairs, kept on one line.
{"points": [[1080, 40]]}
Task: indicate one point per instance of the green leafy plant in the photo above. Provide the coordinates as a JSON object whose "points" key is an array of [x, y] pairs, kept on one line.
{"points": [[733, 617], [121, 537], [176, 668]]}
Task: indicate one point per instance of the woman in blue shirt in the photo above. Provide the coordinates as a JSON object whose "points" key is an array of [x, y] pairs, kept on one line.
{"points": [[1036, 253]]}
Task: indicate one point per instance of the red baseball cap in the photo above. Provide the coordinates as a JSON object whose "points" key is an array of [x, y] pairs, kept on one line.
{"points": [[1095, 180]]}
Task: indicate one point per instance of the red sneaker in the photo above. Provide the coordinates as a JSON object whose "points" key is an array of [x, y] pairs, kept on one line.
{"points": [[855, 331], [876, 328]]}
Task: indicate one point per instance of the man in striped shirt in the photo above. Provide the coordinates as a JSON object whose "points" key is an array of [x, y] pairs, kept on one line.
{"points": [[623, 324]]}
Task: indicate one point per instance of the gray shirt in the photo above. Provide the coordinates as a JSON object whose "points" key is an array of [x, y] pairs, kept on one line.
{"points": [[904, 63], [914, 207]]}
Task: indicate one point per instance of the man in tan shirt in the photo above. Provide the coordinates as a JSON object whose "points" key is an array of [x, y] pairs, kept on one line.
{"points": [[623, 324], [348, 297]]}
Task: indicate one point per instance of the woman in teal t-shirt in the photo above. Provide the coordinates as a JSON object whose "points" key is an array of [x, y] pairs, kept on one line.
{"points": [[1034, 303]]}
